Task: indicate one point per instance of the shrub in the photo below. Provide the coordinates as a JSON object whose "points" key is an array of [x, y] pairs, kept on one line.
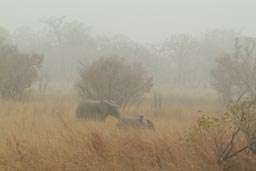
{"points": [[115, 79], [18, 72], [234, 75], [232, 137]]}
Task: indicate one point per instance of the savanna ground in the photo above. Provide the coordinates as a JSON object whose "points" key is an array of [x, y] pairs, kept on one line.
{"points": [[44, 135]]}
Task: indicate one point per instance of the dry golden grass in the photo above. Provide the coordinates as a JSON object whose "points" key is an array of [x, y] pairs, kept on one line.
{"points": [[44, 135]]}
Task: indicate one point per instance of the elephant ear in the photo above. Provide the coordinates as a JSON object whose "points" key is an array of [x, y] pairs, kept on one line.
{"points": [[110, 108], [103, 106]]}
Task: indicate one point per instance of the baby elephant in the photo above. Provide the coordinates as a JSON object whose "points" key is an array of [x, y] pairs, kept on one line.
{"points": [[136, 122]]}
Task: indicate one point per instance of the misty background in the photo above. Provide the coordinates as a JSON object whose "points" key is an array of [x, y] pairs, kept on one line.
{"points": [[177, 41], [142, 20]]}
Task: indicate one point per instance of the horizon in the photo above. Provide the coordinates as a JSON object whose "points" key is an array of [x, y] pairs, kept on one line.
{"points": [[142, 21]]}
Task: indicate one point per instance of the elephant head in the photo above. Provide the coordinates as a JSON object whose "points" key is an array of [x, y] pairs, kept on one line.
{"points": [[97, 110], [110, 108]]}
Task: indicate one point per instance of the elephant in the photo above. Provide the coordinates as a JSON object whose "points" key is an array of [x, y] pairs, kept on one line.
{"points": [[136, 122], [97, 110]]}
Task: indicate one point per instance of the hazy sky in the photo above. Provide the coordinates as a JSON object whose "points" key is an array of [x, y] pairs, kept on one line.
{"points": [[141, 20]]}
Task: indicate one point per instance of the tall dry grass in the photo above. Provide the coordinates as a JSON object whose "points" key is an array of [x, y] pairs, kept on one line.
{"points": [[44, 135]]}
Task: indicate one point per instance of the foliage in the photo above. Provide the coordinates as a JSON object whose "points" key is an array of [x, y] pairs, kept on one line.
{"points": [[234, 75], [113, 78], [233, 133], [181, 49], [244, 116], [18, 72], [4, 35]]}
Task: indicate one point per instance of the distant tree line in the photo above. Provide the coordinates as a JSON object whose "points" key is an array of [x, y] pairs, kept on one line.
{"points": [[180, 60], [18, 70], [210, 59]]}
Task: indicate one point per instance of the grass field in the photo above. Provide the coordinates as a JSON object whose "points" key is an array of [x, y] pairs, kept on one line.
{"points": [[43, 134]]}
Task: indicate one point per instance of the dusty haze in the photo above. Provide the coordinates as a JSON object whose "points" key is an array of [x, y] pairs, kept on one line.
{"points": [[140, 20], [171, 85]]}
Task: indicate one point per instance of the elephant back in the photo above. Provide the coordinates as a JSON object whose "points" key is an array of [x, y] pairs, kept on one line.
{"points": [[90, 110]]}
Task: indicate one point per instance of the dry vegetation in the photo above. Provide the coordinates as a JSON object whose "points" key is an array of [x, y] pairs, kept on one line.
{"points": [[38, 128], [44, 135]]}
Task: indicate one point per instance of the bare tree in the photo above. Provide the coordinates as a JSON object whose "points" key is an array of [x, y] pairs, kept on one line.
{"points": [[43, 82], [18, 71], [67, 43], [113, 78], [234, 76], [55, 26], [180, 48], [158, 104], [4, 35]]}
